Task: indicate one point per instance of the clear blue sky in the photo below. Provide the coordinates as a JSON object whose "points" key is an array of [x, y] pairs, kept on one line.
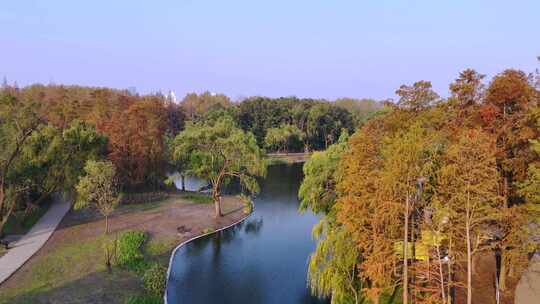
{"points": [[309, 48]]}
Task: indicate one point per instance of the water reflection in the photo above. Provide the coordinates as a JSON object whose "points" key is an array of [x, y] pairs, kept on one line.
{"points": [[262, 260]]}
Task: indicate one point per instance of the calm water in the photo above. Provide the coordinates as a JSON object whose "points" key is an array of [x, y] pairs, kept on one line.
{"points": [[261, 261]]}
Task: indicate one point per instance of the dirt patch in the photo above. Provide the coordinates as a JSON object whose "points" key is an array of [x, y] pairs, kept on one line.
{"points": [[91, 284]]}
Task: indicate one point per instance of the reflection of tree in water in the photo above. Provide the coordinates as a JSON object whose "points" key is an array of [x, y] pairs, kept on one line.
{"points": [[254, 226]]}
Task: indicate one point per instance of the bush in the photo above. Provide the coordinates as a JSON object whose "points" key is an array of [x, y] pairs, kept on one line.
{"points": [[247, 202], [145, 299], [129, 250], [154, 279]]}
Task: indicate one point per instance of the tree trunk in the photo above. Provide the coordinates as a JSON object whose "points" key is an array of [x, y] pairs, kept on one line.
{"points": [[502, 272], [217, 205], [405, 253], [183, 177], [441, 276], [106, 224], [469, 257]]}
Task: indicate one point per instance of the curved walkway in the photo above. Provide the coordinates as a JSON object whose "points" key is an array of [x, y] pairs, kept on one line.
{"points": [[31, 242]]}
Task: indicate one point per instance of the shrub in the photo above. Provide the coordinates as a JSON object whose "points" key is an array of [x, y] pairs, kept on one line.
{"points": [[247, 202], [129, 250], [145, 299], [154, 279], [208, 230]]}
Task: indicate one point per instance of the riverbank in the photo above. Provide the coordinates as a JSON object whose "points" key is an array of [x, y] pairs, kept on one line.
{"points": [[288, 158], [70, 267]]}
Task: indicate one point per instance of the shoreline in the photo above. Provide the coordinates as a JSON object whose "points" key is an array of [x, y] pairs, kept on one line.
{"points": [[173, 253]]}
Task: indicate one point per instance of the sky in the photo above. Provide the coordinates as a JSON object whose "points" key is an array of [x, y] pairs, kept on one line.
{"points": [[306, 48]]}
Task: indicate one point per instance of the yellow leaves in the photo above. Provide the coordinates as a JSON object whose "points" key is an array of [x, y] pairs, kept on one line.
{"points": [[423, 247]]}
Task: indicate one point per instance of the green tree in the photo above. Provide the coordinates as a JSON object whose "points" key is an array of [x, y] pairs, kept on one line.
{"points": [[54, 159], [99, 189], [333, 265], [219, 152], [18, 121], [285, 138], [318, 189]]}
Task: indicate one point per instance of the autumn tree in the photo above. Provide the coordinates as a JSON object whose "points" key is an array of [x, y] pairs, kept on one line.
{"points": [[417, 97], [468, 181], [366, 216], [219, 152], [506, 115], [136, 142], [468, 88], [333, 270], [195, 105]]}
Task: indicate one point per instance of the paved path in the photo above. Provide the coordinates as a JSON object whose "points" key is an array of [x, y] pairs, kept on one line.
{"points": [[29, 244], [528, 288]]}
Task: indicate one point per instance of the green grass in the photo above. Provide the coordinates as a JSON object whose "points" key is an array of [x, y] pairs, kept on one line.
{"points": [[199, 198], [58, 269], [144, 299], [143, 206]]}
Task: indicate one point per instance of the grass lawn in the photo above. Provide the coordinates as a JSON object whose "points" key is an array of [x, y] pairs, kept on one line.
{"points": [[70, 268]]}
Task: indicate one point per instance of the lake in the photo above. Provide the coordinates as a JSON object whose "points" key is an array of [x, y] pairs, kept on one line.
{"points": [[262, 260]]}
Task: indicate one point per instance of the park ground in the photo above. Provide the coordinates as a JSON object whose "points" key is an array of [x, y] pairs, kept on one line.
{"points": [[70, 267]]}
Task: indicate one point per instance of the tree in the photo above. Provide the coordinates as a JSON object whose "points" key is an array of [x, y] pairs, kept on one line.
{"points": [[333, 269], [468, 88], [361, 109], [285, 138], [18, 121], [136, 142], [407, 162], [506, 114], [99, 189], [333, 265], [417, 97], [318, 189], [468, 181], [219, 152], [54, 159], [365, 215], [178, 163], [195, 105]]}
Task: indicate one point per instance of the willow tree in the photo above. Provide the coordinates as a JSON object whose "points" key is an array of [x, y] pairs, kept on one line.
{"points": [[18, 121], [219, 151], [468, 181], [333, 266]]}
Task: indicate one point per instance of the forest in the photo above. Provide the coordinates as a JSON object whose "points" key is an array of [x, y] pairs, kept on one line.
{"points": [[421, 196], [413, 193], [49, 132]]}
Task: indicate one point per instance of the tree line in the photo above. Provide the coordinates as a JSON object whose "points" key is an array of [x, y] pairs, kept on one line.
{"points": [[416, 196], [49, 132]]}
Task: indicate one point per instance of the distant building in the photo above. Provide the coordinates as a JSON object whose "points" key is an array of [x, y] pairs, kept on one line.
{"points": [[132, 90], [171, 96]]}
